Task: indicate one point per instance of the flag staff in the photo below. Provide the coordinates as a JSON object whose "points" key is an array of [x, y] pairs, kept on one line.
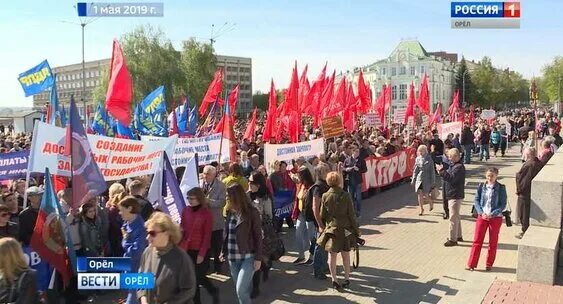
{"points": [[226, 100]]}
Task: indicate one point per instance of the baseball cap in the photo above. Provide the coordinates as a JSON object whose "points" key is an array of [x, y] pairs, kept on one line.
{"points": [[34, 191]]}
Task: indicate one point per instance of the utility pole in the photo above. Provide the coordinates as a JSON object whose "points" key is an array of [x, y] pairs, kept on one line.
{"points": [[465, 72]]}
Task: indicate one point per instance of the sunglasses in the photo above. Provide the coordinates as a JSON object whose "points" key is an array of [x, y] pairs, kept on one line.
{"points": [[153, 233], [4, 214]]}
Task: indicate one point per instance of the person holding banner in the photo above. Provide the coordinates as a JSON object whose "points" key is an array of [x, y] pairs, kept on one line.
{"points": [[18, 282], [424, 177]]}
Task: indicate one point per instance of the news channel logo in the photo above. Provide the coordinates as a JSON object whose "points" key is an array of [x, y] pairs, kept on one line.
{"points": [[109, 273], [485, 15]]}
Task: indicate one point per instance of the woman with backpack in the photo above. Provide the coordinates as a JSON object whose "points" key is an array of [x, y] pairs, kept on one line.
{"points": [[490, 201], [18, 282]]}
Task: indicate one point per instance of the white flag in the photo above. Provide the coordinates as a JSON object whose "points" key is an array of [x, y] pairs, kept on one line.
{"points": [[190, 179]]}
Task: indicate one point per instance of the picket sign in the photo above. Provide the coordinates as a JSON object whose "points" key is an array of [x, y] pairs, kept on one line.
{"points": [[383, 171], [449, 128], [289, 152], [488, 114]]}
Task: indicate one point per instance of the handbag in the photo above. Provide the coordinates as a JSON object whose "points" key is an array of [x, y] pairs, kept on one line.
{"points": [[506, 213]]}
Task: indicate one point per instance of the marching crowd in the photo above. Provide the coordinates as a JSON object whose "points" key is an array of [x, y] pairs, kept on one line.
{"points": [[229, 225]]}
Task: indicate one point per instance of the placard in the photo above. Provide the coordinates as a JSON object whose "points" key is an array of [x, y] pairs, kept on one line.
{"points": [[332, 127], [372, 119], [447, 128], [488, 114], [289, 152]]}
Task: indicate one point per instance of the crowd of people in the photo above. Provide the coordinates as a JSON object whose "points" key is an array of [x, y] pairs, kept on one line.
{"points": [[229, 224]]}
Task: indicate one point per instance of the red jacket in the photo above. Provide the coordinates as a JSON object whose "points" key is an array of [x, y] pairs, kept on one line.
{"points": [[196, 229]]}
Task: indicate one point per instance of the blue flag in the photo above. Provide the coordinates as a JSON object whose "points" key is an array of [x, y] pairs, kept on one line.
{"points": [[87, 178], [182, 116], [63, 116], [54, 104], [123, 131], [192, 121], [37, 79], [102, 123], [154, 102], [173, 202]]}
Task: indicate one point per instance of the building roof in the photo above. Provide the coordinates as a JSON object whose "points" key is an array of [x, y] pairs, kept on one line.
{"points": [[9, 113], [410, 46]]}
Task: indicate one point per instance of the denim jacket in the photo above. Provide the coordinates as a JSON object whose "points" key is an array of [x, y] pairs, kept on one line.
{"points": [[498, 200]]}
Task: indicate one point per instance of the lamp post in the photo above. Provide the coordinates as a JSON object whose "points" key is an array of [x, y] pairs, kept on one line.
{"points": [[465, 72]]}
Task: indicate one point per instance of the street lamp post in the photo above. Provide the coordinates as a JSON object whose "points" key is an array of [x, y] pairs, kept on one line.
{"points": [[84, 78], [463, 87]]}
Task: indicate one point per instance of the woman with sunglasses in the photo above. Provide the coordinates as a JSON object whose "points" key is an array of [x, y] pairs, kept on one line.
{"points": [[243, 241], [197, 226], [134, 236], [175, 280], [7, 228]]}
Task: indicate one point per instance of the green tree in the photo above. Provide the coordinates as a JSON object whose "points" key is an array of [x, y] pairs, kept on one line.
{"points": [[199, 65], [260, 100], [152, 62], [99, 93], [459, 82], [551, 82]]}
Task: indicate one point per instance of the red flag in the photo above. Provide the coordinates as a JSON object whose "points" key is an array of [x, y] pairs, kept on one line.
{"points": [[174, 125], [388, 97], [225, 127], [363, 94], [315, 94], [120, 88], [461, 115], [349, 114], [423, 101], [251, 128], [410, 105], [380, 105], [339, 100], [233, 98], [454, 107], [271, 116], [437, 117], [293, 126], [325, 99], [214, 89], [471, 115]]}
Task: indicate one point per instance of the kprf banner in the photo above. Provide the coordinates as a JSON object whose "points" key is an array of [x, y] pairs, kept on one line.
{"points": [[13, 165], [37, 79], [288, 152], [383, 171], [283, 203], [449, 128], [206, 147], [117, 158]]}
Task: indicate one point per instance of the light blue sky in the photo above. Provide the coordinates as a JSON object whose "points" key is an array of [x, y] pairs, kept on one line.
{"points": [[274, 33]]}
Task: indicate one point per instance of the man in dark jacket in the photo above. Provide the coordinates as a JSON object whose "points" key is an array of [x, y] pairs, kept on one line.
{"points": [[484, 142], [354, 167], [454, 179], [524, 177], [558, 140], [320, 256], [29, 215], [137, 189], [467, 143]]}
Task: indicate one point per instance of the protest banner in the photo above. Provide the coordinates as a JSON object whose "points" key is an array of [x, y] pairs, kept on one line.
{"points": [[13, 165], [288, 152], [37, 79], [117, 158], [383, 171], [332, 127], [508, 127], [488, 114], [372, 119], [399, 116], [44, 270], [283, 203], [206, 147], [447, 128]]}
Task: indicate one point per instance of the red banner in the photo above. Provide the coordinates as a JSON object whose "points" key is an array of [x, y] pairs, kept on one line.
{"points": [[383, 171]]}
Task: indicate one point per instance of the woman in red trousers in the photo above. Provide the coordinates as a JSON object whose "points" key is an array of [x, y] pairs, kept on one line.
{"points": [[490, 201], [197, 225]]}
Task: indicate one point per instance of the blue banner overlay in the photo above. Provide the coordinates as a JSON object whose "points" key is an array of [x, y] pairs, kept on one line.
{"points": [[283, 203], [122, 9], [477, 9], [37, 79], [89, 281], [44, 270], [85, 264], [13, 165]]}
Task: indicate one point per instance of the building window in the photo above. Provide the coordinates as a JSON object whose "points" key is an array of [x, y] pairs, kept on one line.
{"points": [[394, 92], [413, 70], [383, 71], [403, 70], [422, 71], [393, 72], [403, 91]]}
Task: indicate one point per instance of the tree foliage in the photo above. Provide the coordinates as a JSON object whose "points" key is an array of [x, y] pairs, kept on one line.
{"points": [[199, 65], [496, 87], [260, 100], [550, 81], [459, 82], [152, 61]]}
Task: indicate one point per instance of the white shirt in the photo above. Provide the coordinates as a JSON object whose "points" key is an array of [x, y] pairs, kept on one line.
{"points": [[488, 195]]}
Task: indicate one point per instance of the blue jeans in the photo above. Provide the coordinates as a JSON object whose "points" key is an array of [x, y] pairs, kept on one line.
{"points": [[242, 273], [304, 234], [356, 193], [467, 153], [484, 152], [320, 260]]}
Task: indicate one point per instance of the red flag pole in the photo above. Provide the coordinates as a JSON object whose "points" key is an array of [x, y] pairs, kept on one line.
{"points": [[222, 133]]}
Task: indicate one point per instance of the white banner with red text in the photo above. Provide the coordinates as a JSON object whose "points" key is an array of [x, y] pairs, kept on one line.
{"points": [[383, 171], [206, 147], [117, 158]]}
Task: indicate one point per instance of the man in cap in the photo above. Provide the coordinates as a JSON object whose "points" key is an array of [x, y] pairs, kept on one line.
{"points": [[29, 215]]}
